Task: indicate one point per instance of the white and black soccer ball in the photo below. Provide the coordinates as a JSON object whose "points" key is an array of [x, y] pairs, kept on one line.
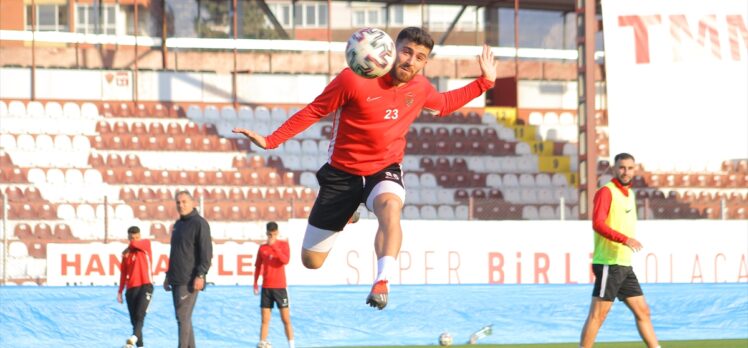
{"points": [[370, 52], [445, 339]]}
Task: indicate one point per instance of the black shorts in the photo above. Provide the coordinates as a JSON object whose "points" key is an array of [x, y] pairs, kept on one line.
{"points": [[341, 193], [270, 296], [613, 281]]}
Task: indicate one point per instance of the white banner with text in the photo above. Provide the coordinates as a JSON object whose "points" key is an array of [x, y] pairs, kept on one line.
{"points": [[452, 252]]}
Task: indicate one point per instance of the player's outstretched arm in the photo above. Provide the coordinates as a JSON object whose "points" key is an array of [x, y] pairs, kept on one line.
{"points": [[487, 63], [257, 139]]}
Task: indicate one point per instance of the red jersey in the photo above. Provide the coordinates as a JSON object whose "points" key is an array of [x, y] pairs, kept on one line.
{"points": [[271, 264], [136, 264], [601, 204], [371, 117]]}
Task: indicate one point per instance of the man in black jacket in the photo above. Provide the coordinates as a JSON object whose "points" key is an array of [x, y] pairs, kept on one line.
{"points": [[189, 261]]}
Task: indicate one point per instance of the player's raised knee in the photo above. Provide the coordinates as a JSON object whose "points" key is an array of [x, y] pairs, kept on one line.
{"points": [[312, 260]]}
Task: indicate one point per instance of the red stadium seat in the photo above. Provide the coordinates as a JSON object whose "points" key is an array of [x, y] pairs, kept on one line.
{"points": [[145, 194], [32, 194], [14, 193], [272, 195], [156, 128], [142, 110], [62, 232], [252, 213], [173, 128], [159, 232], [254, 195], [273, 179], [442, 164], [159, 110], [120, 127], [43, 231], [459, 133], [103, 127], [191, 128], [23, 231], [289, 179], [236, 195]]}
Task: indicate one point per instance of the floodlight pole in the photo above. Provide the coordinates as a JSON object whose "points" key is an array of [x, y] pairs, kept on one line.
{"points": [[586, 29]]}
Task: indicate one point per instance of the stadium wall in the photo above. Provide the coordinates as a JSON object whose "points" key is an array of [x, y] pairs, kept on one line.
{"points": [[453, 252]]}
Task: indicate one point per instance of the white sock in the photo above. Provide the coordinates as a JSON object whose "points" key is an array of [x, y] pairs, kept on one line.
{"points": [[291, 344], [385, 266]]}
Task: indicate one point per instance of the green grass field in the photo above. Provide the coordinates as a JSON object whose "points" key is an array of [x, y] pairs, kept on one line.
{"points": [[740, 343]]}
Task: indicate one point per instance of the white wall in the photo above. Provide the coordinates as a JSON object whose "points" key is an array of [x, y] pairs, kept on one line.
{"points": [[15, 83], [444, 252]]}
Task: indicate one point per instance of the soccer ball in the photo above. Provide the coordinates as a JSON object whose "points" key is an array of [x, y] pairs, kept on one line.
{"points": [[445, 339], [370, 52]]}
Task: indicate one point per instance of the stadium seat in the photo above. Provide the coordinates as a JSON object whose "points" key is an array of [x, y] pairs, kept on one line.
{"points": [[530, 212], [70, 110], [16, 109], [35, 109], [3, 109], [23, 231], [428, 212], [428, 196], [89, 111], [446, 212]]}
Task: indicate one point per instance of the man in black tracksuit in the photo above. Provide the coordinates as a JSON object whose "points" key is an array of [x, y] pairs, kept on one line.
{"points": [[189, 261]]}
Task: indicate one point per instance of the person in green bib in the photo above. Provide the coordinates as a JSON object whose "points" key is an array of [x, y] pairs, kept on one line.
{"points": [[614, 222]]}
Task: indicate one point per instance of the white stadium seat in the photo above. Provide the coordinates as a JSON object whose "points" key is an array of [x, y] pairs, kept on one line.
{"points": [[246, 113], [211, 114], [428, 212], [16, 109], [44, 143], [194, 113], [413, 196], [35, 109], [3, 109], [71, 110], [228, 113], [7, 141], [89, 111], [429, 196], [63, 143], [535, 118], [446, 212], [462, 212], [410, 180], [530, 212], [54, 110], [65, 212], [25, 142], [411, 212]]}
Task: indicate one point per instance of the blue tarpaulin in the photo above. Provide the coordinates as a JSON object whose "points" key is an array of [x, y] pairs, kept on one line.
{"points": [[229, 316]]}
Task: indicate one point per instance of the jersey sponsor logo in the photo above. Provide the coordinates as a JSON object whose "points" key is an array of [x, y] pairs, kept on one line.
{"points": [[390, 175], [409, 99], [371, 99]]}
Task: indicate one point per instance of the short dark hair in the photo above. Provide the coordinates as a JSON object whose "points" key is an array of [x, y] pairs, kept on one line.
{"points": [[183, 192], [415, 35], [623, 156], [133, 230], [271, 226]]}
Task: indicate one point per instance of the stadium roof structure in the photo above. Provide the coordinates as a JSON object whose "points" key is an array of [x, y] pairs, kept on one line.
{"points": [[550, 5]]}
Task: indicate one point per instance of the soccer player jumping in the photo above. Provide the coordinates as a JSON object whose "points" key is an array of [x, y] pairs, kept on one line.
{"points": [[371, 118]]}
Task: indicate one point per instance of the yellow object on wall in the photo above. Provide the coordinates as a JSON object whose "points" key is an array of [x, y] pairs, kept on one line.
{"points": [[507, 116]]}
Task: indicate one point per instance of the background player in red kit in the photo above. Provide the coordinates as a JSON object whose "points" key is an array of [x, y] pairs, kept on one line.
{"points": [[137, 277], [371, 118], [272, 258]]}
